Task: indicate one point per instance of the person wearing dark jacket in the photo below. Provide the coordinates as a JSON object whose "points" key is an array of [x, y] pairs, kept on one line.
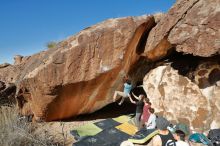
{"points": [[139, 109]]}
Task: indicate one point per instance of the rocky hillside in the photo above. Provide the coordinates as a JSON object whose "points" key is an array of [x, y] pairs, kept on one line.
{"points": [[176, 55]]}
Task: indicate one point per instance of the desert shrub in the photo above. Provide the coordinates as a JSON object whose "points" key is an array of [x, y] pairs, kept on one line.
{"points": [[51, 45], [16, 131]]}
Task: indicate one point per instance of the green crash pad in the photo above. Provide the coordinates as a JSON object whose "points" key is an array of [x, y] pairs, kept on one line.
{"points": [[88, 129]]}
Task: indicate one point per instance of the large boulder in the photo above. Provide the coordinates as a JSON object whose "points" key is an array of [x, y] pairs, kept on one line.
{"points": [[82, 72], [190, 26], [180, 99]]}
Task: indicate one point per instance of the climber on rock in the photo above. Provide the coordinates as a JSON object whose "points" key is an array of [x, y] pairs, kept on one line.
{"points": [[126, 93]]}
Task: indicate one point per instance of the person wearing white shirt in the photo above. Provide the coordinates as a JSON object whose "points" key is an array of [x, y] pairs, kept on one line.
{"points": [[180, 138], [151, 122]]}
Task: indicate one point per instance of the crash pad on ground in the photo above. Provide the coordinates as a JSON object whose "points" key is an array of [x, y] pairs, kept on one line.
{"points": [[110, 132]]}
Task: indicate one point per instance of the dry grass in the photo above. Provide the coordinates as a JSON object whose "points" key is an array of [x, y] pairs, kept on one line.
{"points": [[15, 131]]}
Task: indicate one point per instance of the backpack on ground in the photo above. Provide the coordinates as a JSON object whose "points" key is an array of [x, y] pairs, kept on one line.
{"points": [[200, 138], [214, 136]]}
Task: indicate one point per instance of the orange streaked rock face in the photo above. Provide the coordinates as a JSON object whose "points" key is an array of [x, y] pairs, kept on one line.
{"points": [[81, 74]]}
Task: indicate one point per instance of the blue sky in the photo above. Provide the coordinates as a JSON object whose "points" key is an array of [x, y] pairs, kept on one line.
{"points": [[27, 25]]}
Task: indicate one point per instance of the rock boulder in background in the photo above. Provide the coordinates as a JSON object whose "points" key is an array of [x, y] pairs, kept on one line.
{"points": [[190, 26], [17, 59], [182, 100]]}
